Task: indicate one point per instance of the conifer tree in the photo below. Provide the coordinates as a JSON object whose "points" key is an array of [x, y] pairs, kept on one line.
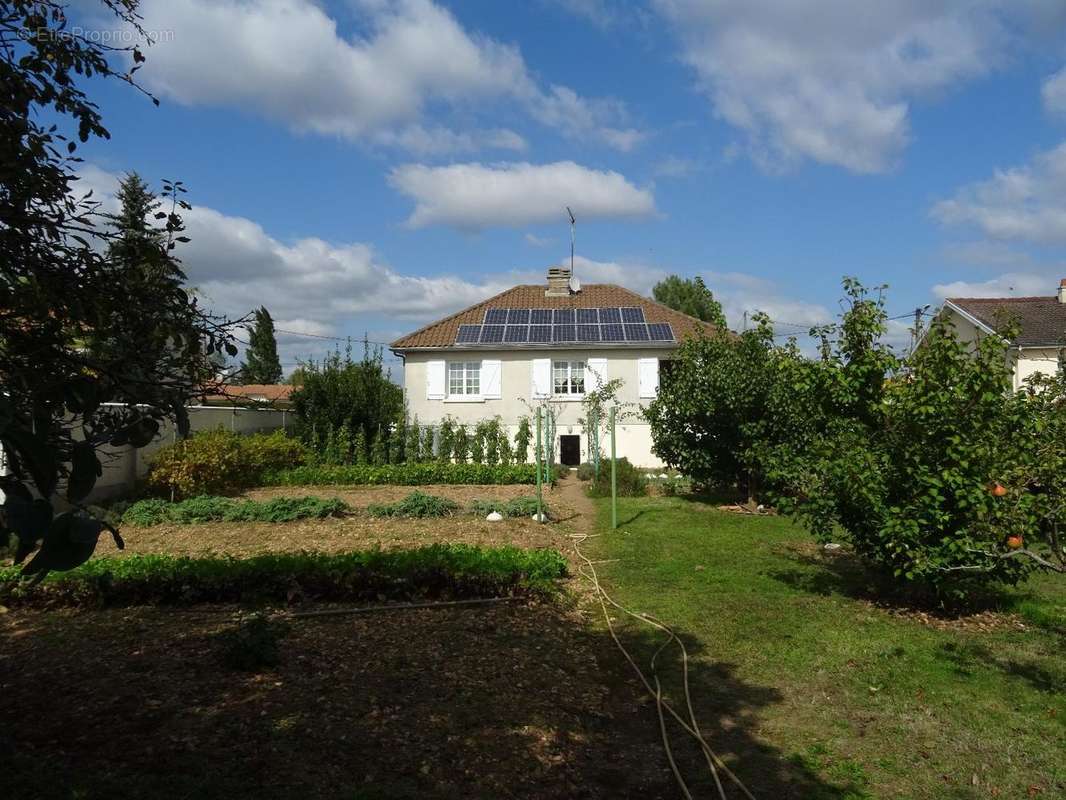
{"points": [[261, 363]]}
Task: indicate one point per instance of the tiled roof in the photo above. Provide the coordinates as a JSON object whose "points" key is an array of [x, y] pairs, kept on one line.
{"points": [[1042, 319], [597, 295], [251, 392]]}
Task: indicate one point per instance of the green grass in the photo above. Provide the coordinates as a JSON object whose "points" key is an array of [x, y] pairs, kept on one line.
{"points": [[435, 571], [826, 694]]}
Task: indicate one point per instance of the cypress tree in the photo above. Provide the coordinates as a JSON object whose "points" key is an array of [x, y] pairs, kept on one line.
{"points": [[261, 363]]}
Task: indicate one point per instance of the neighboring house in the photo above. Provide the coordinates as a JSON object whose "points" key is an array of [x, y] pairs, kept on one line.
{"points": [[253, 394], [1040, 345], [534, 344]]}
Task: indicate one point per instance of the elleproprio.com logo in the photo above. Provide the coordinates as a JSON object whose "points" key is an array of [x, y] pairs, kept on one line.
{"points": [[111, 37]]}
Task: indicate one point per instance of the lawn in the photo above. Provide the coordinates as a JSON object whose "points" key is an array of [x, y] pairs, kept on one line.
{"points": [[813, 690]]}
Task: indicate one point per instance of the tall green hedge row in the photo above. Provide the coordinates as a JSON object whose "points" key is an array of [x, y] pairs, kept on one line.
{"points": [[402, 474]]}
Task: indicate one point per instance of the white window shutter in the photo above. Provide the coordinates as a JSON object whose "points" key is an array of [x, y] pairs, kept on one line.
{"points": [[491, 388], [436, 374], [648, 376], [542, 377], [595, 374]]}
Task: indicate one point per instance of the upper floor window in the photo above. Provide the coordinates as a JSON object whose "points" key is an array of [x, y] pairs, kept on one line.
{"points": [[568, 377], [464, 378]]}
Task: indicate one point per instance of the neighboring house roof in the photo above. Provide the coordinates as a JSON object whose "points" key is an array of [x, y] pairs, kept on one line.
{"points": [[1042, 319], [252, 393], [597, 295]]}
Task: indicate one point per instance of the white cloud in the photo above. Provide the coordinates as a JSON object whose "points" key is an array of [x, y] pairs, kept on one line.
{"points": [[537, 241], [441, 141], [309, 285], [476, 196], [286, 60], [832, 80], [740, 292], [675, 167], [1025, 204], [1053, 92], [1011, 284]]}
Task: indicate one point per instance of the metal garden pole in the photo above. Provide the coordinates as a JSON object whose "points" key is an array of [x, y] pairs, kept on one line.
{"points": [[540, 502], [614, 479]]}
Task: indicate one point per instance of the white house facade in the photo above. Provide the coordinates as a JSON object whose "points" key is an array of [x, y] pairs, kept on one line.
{"points": [[536, 345], [1041, 343]]}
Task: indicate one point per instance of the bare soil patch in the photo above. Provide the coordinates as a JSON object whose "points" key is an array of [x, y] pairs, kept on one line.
{"points": [[504, 701], [357, 531]]}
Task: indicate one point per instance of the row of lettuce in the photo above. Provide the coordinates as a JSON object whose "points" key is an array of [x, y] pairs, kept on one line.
{"points": [[212, 508], [435, 572]]}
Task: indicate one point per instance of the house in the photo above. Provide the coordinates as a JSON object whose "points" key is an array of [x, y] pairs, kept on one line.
{"points": [[252, 395], [1041, 343], [545, 344]]}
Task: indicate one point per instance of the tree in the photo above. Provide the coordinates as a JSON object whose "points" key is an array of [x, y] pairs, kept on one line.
{"points": [[261, 363], [933, 469], [690, 296], [338, 391], [92, 308]]}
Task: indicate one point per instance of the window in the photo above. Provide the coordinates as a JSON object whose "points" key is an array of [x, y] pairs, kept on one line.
{"points": [[568, 377], [464, 378]]}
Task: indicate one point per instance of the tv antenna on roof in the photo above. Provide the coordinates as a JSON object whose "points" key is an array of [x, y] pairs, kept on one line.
{"points": [[572, 223]]}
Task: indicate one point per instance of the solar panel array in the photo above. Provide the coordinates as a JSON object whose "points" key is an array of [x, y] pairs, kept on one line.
{"points": [[564, 326]]}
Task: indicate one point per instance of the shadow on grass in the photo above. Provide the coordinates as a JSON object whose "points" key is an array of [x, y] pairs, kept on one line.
{"points": [[968, 656], [499, 701]]}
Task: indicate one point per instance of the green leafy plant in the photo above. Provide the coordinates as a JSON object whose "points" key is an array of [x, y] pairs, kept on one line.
{"points": [[461, 445], [252, 645], [402, 475], [416, 504], [586, 471], [207, 508], [630, 481], [221, 462], [521, 441], [446, 437], [435, 571], [515, 507]]}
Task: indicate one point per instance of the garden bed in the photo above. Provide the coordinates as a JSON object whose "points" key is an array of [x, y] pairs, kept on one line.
{"points": [[507, 701]]}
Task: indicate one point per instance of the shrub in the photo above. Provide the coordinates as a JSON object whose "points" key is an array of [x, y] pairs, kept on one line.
{"points": [[403, 475], [586, 471], [629, 481], [675, 485], [521, 441], [446, 445], [461, 445], [515, 507], [252, 645], [415, 504], [221, 462], [435, 571], [206, 508]]}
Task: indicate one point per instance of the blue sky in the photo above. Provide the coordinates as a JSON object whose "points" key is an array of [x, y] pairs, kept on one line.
{"points": [[370, 166]]}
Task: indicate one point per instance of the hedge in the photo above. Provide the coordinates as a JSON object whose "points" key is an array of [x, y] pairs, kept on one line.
{"points": [[402, 475], [437, 571]]}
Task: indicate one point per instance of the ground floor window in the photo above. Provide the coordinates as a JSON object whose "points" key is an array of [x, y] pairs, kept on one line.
{"points": [[464, 378], [569, 377]]}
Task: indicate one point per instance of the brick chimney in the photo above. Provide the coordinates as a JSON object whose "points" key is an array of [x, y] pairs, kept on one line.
{"points": [[559, 282], [1062, 291]]}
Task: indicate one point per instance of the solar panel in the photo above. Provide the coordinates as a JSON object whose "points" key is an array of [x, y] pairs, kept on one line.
{"points": [[516, 333], [496, 316], [490, 334], [563, 333], [540, 334], [634, 333], [612, 332], [632, 315], [588, 333], [660, 332], [518, 316], [586, 316], [608, 315], [564, 316], [468, 334], [541, 316]]}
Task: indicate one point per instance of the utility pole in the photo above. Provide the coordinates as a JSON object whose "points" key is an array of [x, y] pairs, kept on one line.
{"points": [[573, 235]]}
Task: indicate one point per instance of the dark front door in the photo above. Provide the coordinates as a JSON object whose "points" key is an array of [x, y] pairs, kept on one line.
{"points": [[570, 450]]}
